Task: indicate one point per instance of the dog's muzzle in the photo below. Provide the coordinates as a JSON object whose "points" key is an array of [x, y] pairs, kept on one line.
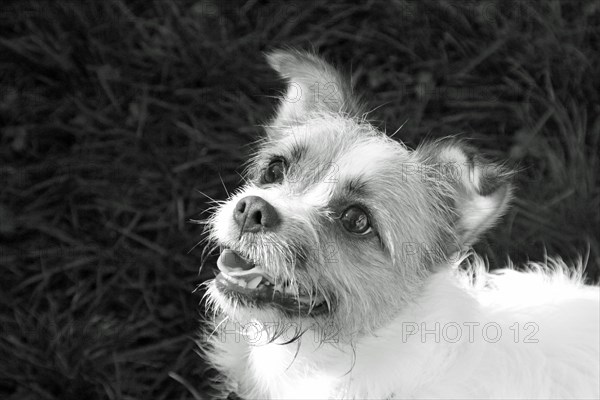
{"points": [[242, 280]]}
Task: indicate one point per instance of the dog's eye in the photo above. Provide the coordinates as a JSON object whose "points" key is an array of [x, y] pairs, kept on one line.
{"points": [[274, 172], [356, 220]]}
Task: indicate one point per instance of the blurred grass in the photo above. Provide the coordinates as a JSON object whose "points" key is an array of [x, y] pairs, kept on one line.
{"points": [[114, 115]]}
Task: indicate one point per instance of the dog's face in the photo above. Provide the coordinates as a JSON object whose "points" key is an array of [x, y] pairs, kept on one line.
{"points": [[338, 224]]}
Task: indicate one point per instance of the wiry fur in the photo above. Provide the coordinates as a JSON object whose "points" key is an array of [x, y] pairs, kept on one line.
{"points": [[426, 207], [562, 364]]}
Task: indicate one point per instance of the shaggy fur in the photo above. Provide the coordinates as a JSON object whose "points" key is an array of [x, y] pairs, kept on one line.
{"points": [[389, 314]]}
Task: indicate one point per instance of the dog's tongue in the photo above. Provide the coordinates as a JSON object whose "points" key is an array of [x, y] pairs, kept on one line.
{"points": [[230, 261]]}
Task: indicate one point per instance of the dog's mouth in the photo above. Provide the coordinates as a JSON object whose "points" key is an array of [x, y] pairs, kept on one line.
{"points": [[240, 278]]}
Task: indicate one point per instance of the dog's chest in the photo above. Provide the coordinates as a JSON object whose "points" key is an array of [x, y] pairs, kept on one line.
{"points": [[289, 371], [310, 370]]}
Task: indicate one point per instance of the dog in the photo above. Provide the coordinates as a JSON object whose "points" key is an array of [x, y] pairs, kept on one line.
{"points": [[346, 271]]}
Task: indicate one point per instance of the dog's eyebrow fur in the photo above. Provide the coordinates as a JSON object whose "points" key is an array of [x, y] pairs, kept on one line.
{"points": [[297, 151], [292, 154], [355, 187]]}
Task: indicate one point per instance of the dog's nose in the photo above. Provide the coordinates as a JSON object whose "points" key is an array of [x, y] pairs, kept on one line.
{"points": [[253, 213]]}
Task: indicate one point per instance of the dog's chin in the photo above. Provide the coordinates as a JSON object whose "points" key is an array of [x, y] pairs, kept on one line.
{"points": [[246, 288]]}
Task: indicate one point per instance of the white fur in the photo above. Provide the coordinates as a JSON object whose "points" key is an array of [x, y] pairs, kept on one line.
{"points": [[395, 364], [395, 305]]}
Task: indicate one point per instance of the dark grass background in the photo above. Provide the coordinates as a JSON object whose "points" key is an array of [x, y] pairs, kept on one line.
{"points": [[115, 114]]}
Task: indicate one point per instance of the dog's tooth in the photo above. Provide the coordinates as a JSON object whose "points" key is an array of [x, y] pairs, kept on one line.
{"points": [[253, 283], [241, 282]]}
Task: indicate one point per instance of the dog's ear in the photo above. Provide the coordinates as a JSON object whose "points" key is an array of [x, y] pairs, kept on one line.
{"points": [[313, 86], [479, 191]]}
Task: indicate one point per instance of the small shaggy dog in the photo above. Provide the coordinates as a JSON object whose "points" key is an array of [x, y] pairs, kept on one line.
{"points": [[342, 269]]}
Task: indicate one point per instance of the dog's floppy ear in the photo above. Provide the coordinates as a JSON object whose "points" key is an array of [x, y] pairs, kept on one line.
{"points": [[479, 190], [313, 86]]}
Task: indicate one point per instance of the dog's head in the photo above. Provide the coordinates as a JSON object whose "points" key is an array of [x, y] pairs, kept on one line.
{"points": [[338, 223]]}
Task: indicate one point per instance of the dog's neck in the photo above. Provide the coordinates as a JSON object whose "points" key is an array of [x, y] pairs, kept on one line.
{"points": [[310, 368]]}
